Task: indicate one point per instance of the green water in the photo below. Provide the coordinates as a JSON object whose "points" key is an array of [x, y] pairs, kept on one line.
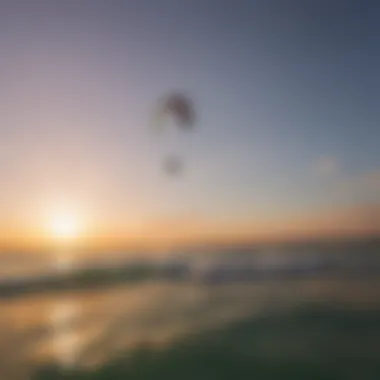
{"points": [[309, 343], [301, 329]]}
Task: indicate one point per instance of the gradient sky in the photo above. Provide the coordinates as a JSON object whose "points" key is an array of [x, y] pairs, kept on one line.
{"points": [[288, 104]]}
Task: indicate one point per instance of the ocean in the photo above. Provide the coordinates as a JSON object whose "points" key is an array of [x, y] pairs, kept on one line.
{"points": [[84, 328]]}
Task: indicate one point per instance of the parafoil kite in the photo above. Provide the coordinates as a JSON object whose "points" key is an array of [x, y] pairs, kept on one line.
{"points": [[175, 110], [178, 109]]}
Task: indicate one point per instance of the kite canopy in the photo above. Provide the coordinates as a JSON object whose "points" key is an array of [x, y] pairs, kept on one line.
{"points": [[177, 108]]}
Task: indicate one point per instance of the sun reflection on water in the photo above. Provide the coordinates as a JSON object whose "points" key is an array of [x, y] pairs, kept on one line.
{"points": [[64, 338]]}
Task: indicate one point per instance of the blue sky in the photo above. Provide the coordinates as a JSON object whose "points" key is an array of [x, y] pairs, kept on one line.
{"points": [[286, 92]]}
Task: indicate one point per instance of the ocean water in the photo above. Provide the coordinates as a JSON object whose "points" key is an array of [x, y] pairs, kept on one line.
{"points": [[86, 328]]}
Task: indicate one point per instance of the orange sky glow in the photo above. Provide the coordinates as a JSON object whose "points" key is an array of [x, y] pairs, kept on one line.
{"points": [[345, 222]]}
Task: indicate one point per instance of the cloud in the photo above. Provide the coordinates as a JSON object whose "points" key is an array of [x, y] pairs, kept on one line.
{"points": [[370, 181], [363, 185], [327, 166]]}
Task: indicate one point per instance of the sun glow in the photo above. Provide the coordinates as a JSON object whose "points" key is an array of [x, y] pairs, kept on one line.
{"points": [[65, 227]]}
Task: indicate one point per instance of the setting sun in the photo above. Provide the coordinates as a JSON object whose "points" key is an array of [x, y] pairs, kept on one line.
{"points": [[64, 227]]}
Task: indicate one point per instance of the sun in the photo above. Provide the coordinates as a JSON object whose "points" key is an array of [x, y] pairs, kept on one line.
{"points": [[64, 227]]}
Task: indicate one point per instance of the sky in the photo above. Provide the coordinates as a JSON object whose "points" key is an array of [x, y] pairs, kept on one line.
{"points": [[287, 131]]}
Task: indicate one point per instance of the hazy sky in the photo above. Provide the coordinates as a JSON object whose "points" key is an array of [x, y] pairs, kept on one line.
{"points": [[287, 94]]}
